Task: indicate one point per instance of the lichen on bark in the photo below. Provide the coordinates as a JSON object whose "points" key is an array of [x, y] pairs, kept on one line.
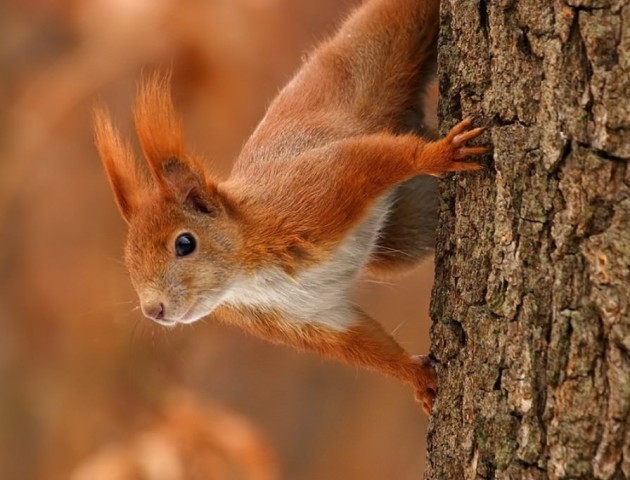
{"points": [[531, 304]]}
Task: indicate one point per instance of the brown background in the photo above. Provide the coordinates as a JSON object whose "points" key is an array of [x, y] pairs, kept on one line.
{"points": [[80, 370]]}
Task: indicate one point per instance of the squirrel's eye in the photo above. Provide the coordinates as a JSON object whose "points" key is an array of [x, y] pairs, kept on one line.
{"points": [[185, 244]]}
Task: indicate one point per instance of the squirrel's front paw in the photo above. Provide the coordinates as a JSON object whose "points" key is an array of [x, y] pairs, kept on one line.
{"points": [[427, 382], [459, 135], [452, 150]]}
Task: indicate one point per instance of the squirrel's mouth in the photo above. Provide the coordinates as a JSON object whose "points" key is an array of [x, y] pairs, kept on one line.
{"points": [[165, 322], [191, 314], [198, 309]]}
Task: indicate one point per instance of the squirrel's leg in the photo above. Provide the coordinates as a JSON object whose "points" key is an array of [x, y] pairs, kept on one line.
{"points": [[328, 190], [361, 169], [368, 345], [361, 341]]}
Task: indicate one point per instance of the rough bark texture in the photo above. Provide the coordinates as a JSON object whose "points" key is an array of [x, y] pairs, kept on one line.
{"points": [[531, 306]]}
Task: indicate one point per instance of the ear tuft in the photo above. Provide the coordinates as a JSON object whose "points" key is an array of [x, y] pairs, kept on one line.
{"points": [[125, 178], [159, 127]]}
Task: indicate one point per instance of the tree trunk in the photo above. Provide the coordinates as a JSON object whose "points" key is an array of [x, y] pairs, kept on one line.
{"points": [[531, 306]]}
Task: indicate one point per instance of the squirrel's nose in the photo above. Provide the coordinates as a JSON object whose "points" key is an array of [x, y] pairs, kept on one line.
{"points": [[153, 310]]}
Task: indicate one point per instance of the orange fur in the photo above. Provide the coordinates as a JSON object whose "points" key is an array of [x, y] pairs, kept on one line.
{"points": [[307, 197], [125, 178], [159, 127]]}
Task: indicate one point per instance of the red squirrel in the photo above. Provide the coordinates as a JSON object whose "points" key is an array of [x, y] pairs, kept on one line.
{"points": [[325, 189]]}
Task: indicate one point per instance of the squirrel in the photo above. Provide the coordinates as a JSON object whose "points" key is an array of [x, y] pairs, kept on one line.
{"points": [[327, 187]]}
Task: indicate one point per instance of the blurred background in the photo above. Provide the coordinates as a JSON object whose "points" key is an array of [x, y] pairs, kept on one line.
{"points": [[89, 389]]}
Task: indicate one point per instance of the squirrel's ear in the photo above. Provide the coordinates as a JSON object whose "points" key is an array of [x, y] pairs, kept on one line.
{"points": [[161, 136], [126, 180], [186, 181]]}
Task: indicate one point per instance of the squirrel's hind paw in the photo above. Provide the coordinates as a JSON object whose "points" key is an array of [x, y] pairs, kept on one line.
{"points": [[426, 384]]}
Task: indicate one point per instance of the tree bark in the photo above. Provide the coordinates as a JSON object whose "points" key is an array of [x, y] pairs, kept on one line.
{"points": [[531, 308]]}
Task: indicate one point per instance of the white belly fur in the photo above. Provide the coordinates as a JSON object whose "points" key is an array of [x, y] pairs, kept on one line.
{"points": [[319, 295]]}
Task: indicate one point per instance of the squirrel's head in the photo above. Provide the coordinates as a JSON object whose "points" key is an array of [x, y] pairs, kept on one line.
{"points": [[182, 237]]}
